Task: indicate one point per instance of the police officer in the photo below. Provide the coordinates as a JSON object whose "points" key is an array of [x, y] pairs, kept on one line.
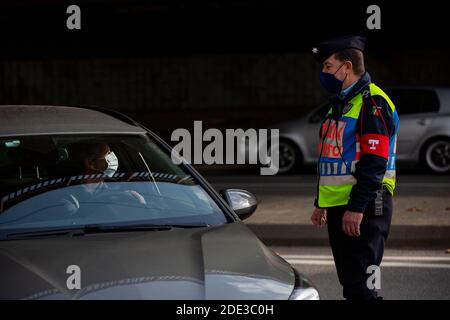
{"points": [[356, 167]]}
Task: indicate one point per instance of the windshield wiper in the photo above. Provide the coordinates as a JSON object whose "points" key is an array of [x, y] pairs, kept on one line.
{"points": [[97, 228], [140, 226]]}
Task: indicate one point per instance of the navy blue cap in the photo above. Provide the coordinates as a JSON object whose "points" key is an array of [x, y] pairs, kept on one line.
{"points": [[325, 49]]}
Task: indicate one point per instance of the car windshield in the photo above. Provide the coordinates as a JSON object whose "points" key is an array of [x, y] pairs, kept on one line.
{"points": [[60, 181]]}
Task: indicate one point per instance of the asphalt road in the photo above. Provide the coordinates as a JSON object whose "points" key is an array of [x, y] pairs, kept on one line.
{"points": [[405, 274]]}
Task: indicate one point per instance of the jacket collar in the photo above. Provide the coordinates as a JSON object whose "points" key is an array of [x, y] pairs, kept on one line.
{"points": [[359, 86]]}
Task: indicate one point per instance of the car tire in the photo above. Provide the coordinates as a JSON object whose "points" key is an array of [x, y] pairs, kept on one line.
{"points": [[290, 157], [436, 155]]}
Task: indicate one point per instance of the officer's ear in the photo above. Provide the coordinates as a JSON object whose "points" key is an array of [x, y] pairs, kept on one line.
{"points": [[348, 66]]}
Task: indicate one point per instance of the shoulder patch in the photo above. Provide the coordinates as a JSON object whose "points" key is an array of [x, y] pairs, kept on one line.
{"points": [[376, 111]]}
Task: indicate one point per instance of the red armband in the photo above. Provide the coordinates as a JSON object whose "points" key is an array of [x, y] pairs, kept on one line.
{"points": [[376, 144]]}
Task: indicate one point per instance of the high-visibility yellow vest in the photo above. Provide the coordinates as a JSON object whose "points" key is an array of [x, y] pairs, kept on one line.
{"points": [[335, 172]]}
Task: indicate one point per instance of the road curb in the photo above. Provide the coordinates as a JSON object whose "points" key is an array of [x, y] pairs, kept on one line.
{"points": [[306, 235]]}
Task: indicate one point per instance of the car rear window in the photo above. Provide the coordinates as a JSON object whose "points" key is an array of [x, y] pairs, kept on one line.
{"points": [[414, 101]]}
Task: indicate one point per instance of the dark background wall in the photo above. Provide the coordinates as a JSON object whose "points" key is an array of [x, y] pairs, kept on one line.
{"points": [[228, 63]]}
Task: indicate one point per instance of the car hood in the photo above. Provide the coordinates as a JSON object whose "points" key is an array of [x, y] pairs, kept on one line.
{"points": [[221, 262]]}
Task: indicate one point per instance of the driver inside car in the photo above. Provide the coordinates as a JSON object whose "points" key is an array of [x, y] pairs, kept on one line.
{"points": [[90, 160]]}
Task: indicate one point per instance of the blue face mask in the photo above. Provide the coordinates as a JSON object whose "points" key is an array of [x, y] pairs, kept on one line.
{"points": [[330, 82]]}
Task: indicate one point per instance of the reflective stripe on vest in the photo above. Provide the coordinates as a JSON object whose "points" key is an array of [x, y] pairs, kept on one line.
{"points": [[335, 179]]}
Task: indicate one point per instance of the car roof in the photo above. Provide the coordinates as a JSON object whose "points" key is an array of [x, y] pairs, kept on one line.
{"points": [[429, 87], [443, 93], [17, 120]]}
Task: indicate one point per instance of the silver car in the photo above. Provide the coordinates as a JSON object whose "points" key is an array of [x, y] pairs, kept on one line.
{"points": [[92, 207], [423, 137]]}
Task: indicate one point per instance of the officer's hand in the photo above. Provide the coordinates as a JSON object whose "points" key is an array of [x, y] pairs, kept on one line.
{"points": [[319, 217], [351, 222]]}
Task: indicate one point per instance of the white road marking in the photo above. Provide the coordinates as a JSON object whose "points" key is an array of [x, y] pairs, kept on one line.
{"points": [[416, 265], [383, 264], [400, 258], [314, 262], [388, 261]]}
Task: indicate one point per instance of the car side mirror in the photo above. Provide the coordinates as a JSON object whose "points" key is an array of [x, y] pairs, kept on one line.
{"points": [[242, 202]]}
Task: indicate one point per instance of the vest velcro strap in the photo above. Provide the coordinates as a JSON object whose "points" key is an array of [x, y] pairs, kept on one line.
{"points": [[390, 174], [337, 180]]}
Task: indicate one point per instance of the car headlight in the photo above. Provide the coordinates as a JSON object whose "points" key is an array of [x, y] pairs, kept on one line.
{"points": [[303, 289]]}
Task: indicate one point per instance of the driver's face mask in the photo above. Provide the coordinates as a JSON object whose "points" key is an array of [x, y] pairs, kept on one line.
{"points": [[113, 164]]}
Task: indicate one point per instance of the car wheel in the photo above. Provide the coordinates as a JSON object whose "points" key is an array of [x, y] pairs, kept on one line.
{"points": [[437, 156], [290, 157]]}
